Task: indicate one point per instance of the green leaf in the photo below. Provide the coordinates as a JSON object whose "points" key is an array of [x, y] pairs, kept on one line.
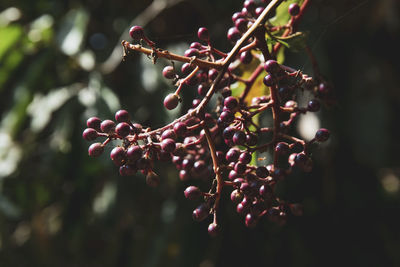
{"points": [[282, 14], [295, 42], [9, 36]]}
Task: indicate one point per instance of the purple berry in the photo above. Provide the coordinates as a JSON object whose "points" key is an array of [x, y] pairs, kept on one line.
{"points": [[136, 32], [168, 145], [122, 116], [201, 212], [203, 34], [191, 52], [246, 57], [171, 101], [251, 139], [123, 129], [241, 24], [233, 34], [282, 148], [180, 129], [232, 155], [95, 149], [228, 133], [271, 66], [322, 135], [186, 68], [313, 105], [118, 155], [134, 153], [262, 172], [236, 196], [213, 229], [94, 123], [168, 72], [231, 103], [168, 134], [90, 134], [268, 80], [107, 126], [239, 138], [192, 192], [245, 157], [251, 220], [294, 9]]}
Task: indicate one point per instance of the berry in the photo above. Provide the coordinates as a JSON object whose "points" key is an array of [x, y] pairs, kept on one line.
{"points": [[258, 11], [322, 135], [251, 139], [180, 129], [240, 168], [118, 155], [313, 105], [90, 134], [236, 196], [201, 212], [192, 52], [213, 229], [232, 154], [250, 5], [192, 192], [251, 220], [262, 172], [94, 123], [268, 80], [294, 9], [136, 32], [227, 117], [282, 148], [168, 145], [169, 72], [199, 166], [196, 45], [134, 153], [122, 116], [171, 101], [168, 134], [226, 91], [96, 149], [184, 175], [239, 138], [203, 34], [237, 16], [271, 66], [233, 35], [241, 24], [245, 157], [186, 68], [127, 170], [202, 90], [230, 103], [123, 129], [107, 126]]}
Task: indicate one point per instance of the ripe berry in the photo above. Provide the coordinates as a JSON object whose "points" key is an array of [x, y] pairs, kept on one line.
{"points": [[236, 196], [322, 135], [268, 80], [196, 45], [313, 105], [294, 9], [233, 34], [186, 68], [134, 153], [94, 123], [136, 32], [117, 155], [199, 166], [202, 90], [251, 220], [230, 103], [168, 145], [180, 129], [95, 149], [226, 91], [251, 139], [240, 168], [262, 172], [90, 134], [187, 164], [201, 212], [258, 11], [245, 157], [203, 34], [239, 138], [184, 175], [168, 134], [282, 148], [122, 116], [271, 66], [192, 192], [241, 24], [127, 170], [123, 129], [246, 57], [213, 229], [237, 16], [191, 52], [250, 5], [232, 154], [171, 101], [107, 126], [168, 72], [226, 117]]}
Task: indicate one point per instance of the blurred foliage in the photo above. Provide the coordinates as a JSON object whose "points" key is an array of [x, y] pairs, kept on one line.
{"points": [[60, 208]]}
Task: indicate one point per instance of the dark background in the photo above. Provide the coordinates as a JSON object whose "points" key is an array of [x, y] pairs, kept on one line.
{"points": [[58, 207]]}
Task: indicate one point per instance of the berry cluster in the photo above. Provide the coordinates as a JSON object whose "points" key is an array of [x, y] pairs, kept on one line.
{"points": [[220, 144]]}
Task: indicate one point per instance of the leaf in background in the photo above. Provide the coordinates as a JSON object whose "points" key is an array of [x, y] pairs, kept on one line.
{"points": [[9, 36], [295, 42], [282, 14]]}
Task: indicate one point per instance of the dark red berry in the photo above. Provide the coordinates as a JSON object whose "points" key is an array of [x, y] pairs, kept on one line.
{"points": [[134, 153], [251, 139], [240, 168], [184, 175], [237, 16], [196, 45], [213, 229], [232, 155], [262, 172], [203, 34], [282, 148], [239, 138], [233, 34], [268, 80], [258, 11], [94, 123], [168, 145], [168, 134], [191, 52], [136, 32], [271, 66], [228, 133], [192, 192], [236, 196], [246, 57], [231, 103], [294, 9], [122, 116], [201, 212], [169, 72], [202, 90], [107, 126], [227, 117], [127, 170], [250, 5], [186, 68], [322, 135], [90, 134], [199, 166], [171, 101], [313, 105], [123, 129], [118, 155], [245, 157], [251, 220], [96, 149], [180, 129], [241, 24]]}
